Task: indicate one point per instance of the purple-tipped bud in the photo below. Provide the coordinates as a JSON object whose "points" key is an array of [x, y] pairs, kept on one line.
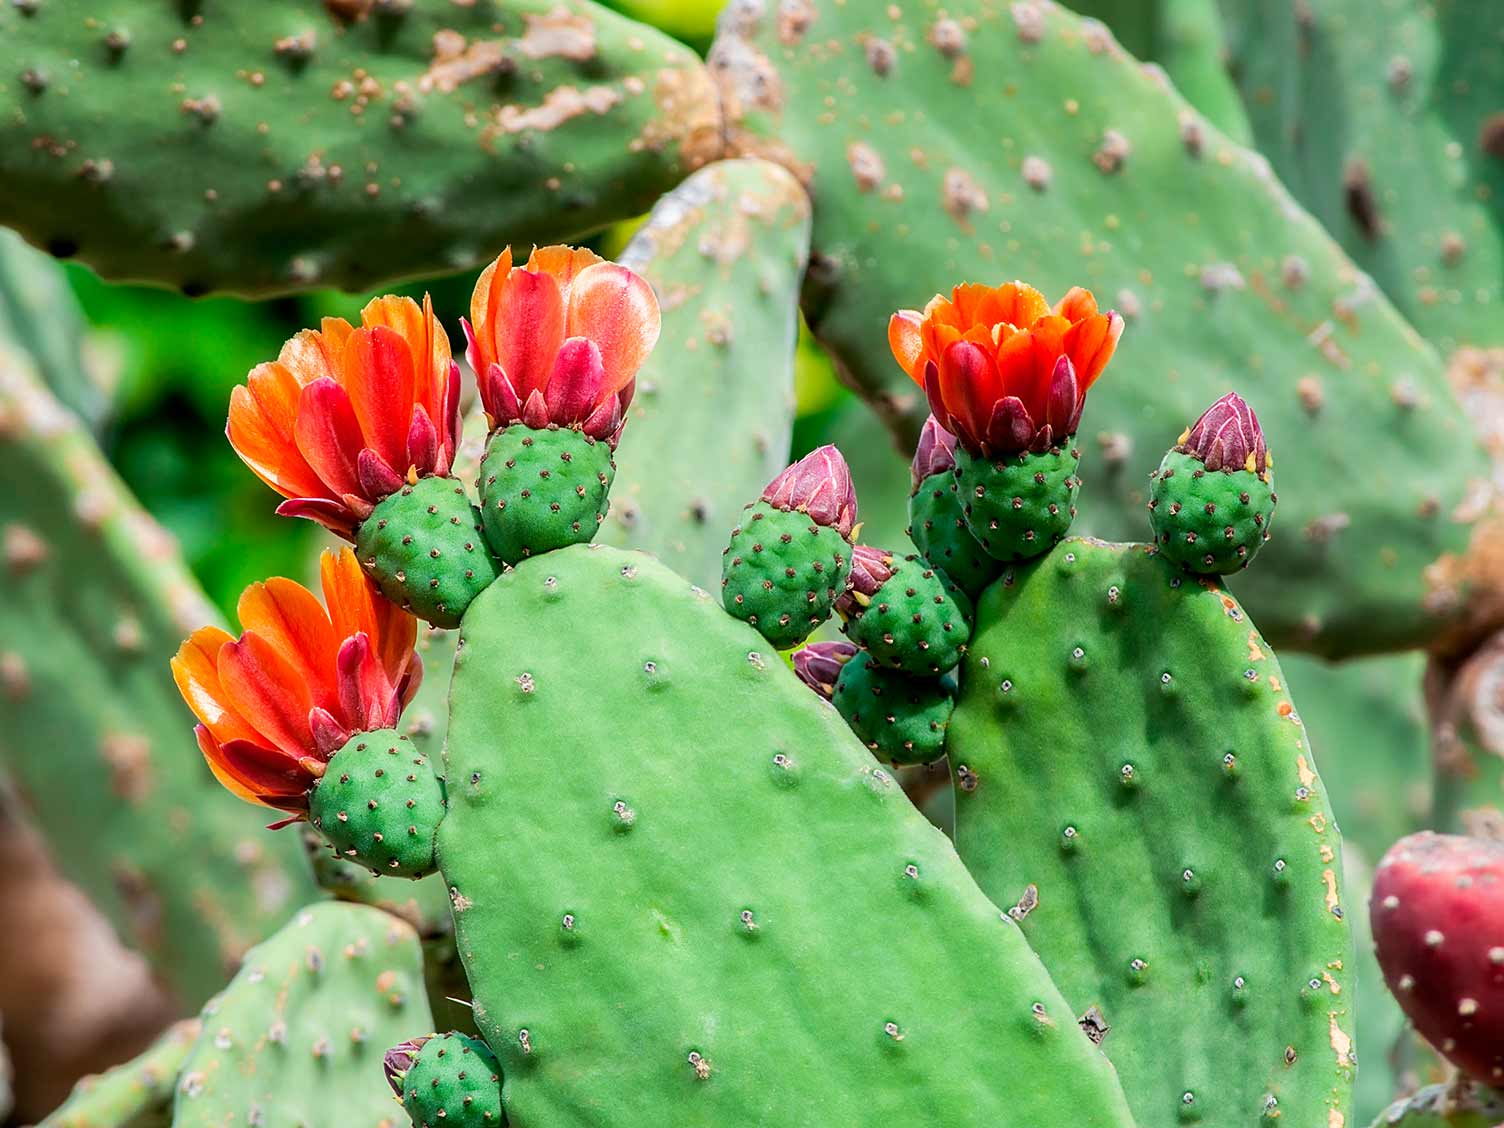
{"points": [[399, 1059], [935, 454], [819, 665], [1227, 437], [818, 484], [870, 569]]}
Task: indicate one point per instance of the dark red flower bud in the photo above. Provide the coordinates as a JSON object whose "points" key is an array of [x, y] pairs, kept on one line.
{"points": [[1227, 437], [399, 1059], [819, 665], [819, 484], [935, 454]]}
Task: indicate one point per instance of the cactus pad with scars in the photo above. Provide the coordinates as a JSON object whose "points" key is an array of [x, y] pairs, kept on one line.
{"points": [[654, 897], [714, 408], [137, 1094], [379, 804], [1124, 742], [121, 794], [1099, 174], [299, 1033], [283, 146]]}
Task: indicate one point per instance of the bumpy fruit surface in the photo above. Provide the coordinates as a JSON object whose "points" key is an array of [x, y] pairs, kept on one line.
{"points": [[379, 803], [915, 620], [1019, 505], [1438, 927], [1211, 522], [544, 489], [937, 526], [902, 719], [782, 572], [452, 1081], [423, 547]]}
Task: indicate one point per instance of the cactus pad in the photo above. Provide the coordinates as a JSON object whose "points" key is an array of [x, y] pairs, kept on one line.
{"points": [[1020, 505], [631, 908], [937, 526], [1124, 742], [301, 1029], [136, 1094], [452, 1081], [379, 803], [916, 621], [901, 718], [423, 547], [543, 489], [1211, 522], [782, 572]]}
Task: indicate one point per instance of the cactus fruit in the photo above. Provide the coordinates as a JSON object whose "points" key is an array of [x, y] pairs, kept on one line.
{"points": [[297, 1037], [340, 145], [1213, 494], [1457, 1105], [447, 1081], [904, 613], [937, 523], [1438, 927], [789, 557], [379, 803], [555, 346], [713, 413], [1008, 376], [136, 1094], [638, 972], [890, 116], [1104, 696], [901, 719]]}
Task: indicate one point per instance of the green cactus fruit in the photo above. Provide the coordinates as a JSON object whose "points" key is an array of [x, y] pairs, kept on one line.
{"points": [[1213, 495], [631, 912], [379, 803], [1019, 505], [447, 1081], [1125, 743], [296, 1039], [907, 615], [1458, 1104], [423, 547], [136, 1094], [937, 521], [901, 718], [543, 489], [789, 557]]}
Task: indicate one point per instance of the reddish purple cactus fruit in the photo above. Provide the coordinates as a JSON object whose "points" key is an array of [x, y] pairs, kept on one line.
{"points": [[399, 1059], [819, 484], [935, 454], [819, 665], [1438, 926], [1227, 437]]}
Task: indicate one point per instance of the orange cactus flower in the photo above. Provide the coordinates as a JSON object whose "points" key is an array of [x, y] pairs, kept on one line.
{"points": [[560, 340], [276, 704], [344, 415], [1003, 371]]}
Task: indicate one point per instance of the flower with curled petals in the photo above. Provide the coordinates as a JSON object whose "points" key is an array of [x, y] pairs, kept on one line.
{"points": [[1002, 369], [345, 416], [277, 703], [560, 340]]}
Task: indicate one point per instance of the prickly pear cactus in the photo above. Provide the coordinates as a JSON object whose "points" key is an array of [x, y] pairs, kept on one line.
{"points": [[1099, 173], [83, 676], [1106, 697], [1460, 1105], [255, 148], [658, 894], [297, 1037], [137, 1094], [714, 408], [40, 315]]}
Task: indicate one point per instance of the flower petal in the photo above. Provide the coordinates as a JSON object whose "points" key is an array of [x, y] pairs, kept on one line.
{"points": [[527, 329], [617, 309], [1062, 398], [313, 354], [562, 263], [426, 341], [377, 478], [576, 386], [422, 441], [483, 301], [967, 375], [195, 669], [906, 339], [357, 607], [263, 414], [328, 435], [1010, 426], [290, 619], [335, 516], [378, 375], [1078, 304], [222, 770], [268, 692], [1091, 343]]}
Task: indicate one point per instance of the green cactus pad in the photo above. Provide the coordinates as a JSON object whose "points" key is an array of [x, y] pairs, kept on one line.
{"points": [[937, 526], [1020, 505], [379, 803], [454, 1082], [297, 1038], [1212, 522], [542, 490], [917, 621], [1125, 742], [901, 718], [423, 546], [685, 893], [136, 1094], [285, 145], [782, 573]]}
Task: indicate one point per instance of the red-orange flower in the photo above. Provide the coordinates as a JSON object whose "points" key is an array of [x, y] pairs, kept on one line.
{"points": [[1003, 371], [275, 704], [560, 340], [344, 416]]}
